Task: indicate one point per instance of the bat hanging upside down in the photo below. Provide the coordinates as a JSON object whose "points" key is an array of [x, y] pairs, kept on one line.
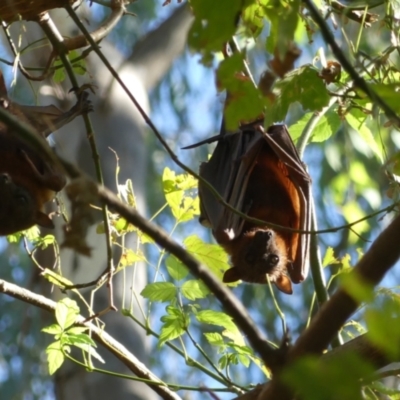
{"points": [[260, 174], [27, 179]]}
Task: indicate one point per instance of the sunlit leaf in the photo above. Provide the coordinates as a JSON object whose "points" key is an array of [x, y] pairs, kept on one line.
{"points": [[211, 255], [214, 338], [302, 85], [284, 17], [214, 24], [216, 318], [53, 329], [175, 268], [245, 102], [183, 207], [55, 357], [329, 257], [358, 121], [327, 125], [175, 324], [194, 289], [66, 312], [130, 257], [159, 291]]}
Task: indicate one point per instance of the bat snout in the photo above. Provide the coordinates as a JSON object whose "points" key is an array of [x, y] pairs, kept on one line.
{"points": [[5, 179]]}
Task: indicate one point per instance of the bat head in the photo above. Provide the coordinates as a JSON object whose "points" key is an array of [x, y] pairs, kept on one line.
{"points": [[256, 254], [18, 209]]}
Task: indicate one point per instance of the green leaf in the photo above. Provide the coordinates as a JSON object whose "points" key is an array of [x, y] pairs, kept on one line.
{"points": [[144, 238], [175, 268], [245, 101], [209, 254], [253, 17], [66, 312], [120, 224], [214, 24], [175, 324], [346, 263], [302, 85], [194, 289], [183, 207], [53, 329], [77, 330], [55, 357], [80, 338], [360, 290], [218, 318], [223, 361], [244, 353], [284, 17], [357, 120], [79, 67], [90, 350], [59, 73], [327, 125], [384, 328], [329, 258], [159, 291], [389, 93], [55, 278], [130, 257], [44, 242], [313, 379], [215, 339]]}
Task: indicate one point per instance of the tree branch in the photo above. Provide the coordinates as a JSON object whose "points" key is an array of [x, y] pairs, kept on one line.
{"points": [[360, 345], [98, 334], [381, 256]]}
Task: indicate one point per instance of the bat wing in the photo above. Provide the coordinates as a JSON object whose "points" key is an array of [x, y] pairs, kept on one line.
{"points": [[279, 140], [47, 119], [228, 171]]}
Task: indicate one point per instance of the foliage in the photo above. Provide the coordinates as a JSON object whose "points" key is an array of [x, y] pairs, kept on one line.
{"points": [[353, 158], [67, 335]]}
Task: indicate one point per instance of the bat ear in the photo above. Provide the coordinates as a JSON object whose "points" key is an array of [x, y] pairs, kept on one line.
{"points": [[231, 275], [43, 219], [284, 284]]}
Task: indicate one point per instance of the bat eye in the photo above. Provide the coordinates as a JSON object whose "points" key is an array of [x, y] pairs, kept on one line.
{"points": [[272, 260], [5, 179], [21, 200]]}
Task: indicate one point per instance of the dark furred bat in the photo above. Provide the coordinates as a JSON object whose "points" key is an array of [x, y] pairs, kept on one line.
{"points": [[260, 174], [27, 179]]}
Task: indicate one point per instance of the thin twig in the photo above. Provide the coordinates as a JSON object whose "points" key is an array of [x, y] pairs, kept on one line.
{"points": [[59, 47], [340, 56], [98, 334]]}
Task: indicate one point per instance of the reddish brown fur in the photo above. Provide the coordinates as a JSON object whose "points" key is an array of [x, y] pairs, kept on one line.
{"points": [[273, 198], [27, 179], [27, 183]]}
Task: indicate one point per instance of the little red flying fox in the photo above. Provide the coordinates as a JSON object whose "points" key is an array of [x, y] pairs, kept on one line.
{"points": [[27, 178], [260, 174]]}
